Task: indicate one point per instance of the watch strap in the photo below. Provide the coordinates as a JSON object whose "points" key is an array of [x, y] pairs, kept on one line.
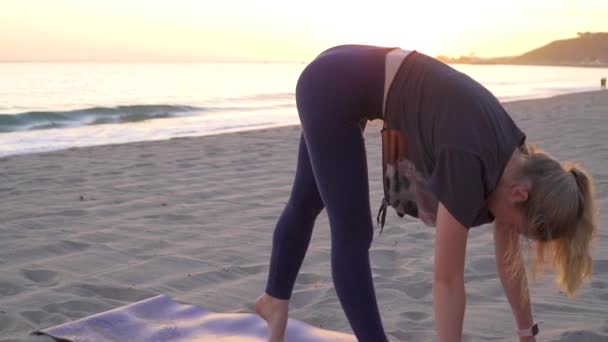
{"points": [[531, 331]]}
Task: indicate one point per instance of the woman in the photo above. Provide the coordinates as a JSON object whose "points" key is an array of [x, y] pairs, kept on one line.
{"points": [[452, 157]]}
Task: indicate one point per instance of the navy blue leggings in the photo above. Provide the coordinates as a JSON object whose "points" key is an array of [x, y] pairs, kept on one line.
{"points": [[335, 95]]}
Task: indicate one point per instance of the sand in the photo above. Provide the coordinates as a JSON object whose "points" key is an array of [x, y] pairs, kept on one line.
{"points": [[85, 230]]}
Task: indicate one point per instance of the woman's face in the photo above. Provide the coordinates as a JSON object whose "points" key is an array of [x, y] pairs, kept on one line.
{"points": [[513, 217], [505, 208]]}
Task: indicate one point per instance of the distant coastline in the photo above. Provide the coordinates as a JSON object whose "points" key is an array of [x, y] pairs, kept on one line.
{"points": [[589, 49]]}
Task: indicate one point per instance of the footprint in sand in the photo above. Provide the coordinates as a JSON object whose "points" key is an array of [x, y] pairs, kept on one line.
{"points": [[484, 265], [43, 277], [9, 289], [418, 290], [384, 257], [308, 278], [62, 247], [578, 336], [35, 316], [422, 236], [247, 270], [126, 294], [412, 335], [11, 324], [308, 297], [76, 308], [415, 315]]}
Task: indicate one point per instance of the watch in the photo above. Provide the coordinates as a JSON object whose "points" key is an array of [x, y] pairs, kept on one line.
{"points": [[531, 331]]}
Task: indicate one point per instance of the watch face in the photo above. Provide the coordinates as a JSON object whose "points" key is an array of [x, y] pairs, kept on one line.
{"points": [[535, 330]]}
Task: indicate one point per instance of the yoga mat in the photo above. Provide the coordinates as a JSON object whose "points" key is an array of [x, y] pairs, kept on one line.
{"points": [[161, 319]]}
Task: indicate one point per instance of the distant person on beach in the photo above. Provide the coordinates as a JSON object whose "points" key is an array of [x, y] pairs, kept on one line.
{"points": [[452, 157], [603, 82]]}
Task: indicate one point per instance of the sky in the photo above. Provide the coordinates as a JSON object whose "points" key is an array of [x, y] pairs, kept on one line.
{"points": [[282, 30]]}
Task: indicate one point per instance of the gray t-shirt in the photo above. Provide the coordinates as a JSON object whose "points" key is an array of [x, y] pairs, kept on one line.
{"points": [[457, 141]]}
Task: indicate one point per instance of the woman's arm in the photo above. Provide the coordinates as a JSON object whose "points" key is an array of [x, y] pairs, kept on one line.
{"points": [[515, 286], [448, 280]]}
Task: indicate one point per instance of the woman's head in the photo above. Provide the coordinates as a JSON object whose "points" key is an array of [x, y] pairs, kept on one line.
{"points": [[552, 205]]}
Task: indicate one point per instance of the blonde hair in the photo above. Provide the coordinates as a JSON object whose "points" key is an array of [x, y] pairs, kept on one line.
{"points": [[562, 218]]}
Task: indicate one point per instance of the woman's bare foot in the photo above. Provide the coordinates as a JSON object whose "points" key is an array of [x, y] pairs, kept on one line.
{"points": [[274, 312]]}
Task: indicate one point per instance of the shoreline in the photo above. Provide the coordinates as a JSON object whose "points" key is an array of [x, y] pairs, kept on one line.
{"points": [[506, 103]]}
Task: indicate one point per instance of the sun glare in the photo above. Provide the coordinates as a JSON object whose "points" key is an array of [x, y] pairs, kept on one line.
{"points": [[279, 30]]}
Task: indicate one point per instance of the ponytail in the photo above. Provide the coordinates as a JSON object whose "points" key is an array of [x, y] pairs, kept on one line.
{"points": [[563, 218], [571, 257]]}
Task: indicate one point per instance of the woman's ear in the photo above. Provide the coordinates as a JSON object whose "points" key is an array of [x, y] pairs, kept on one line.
{"points": [[519, 193]]}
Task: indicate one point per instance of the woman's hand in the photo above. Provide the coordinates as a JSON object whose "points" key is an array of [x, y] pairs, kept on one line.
{"points": [[515, 285]]}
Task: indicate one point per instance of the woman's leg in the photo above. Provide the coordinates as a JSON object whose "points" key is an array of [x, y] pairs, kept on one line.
{"points": [[339, 161], [294, 229], [330, 103], [333, 94], [289, 244]]}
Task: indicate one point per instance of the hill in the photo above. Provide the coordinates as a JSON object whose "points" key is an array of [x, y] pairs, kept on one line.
{"points": [[588, 49]]}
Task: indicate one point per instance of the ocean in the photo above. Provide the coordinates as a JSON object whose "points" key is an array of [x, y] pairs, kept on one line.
{"points": [[52, 106]]}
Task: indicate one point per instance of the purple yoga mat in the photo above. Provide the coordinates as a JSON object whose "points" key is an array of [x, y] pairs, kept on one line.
{"points": [[161, 319]]}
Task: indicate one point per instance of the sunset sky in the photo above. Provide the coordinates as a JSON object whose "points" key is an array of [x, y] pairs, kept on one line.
{"points": [[281, 30]]}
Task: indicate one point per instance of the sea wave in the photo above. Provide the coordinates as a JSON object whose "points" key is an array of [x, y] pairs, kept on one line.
{"points": [[38, 120], [18, 118], [89, 116]]}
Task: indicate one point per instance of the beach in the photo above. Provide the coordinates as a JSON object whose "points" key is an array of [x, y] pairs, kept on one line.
{"points": [[85, 230]]}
